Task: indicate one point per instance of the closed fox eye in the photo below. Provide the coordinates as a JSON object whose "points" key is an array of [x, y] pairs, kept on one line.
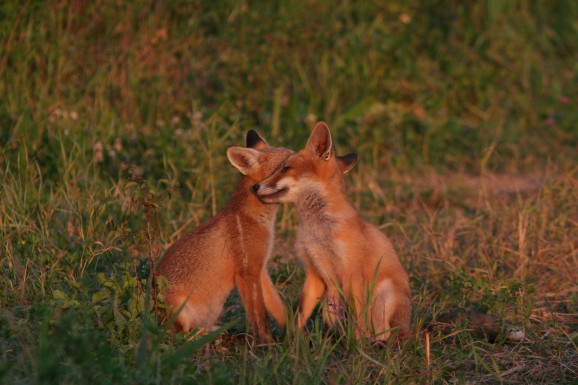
{"points": [[285, 169]]}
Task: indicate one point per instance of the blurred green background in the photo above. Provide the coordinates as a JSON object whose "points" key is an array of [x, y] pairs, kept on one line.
{"points": [[452, 84]]}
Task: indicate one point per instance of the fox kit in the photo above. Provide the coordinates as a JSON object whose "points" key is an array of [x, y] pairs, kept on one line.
{"points": [[232, 248], [344, 257]]}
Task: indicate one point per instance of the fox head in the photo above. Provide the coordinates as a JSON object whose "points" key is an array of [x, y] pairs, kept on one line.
{"points": [[258, 160], [315, 167]]}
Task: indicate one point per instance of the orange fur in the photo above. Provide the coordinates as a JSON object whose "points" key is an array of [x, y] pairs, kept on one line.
{"points": [[230, 249], [344, 256]]}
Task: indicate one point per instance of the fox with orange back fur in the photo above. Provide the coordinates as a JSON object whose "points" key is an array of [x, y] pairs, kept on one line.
{"points": [[344, 256], [232, 248]]}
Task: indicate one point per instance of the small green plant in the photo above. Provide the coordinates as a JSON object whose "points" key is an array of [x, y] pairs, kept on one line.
{"points": [[142, 197]]}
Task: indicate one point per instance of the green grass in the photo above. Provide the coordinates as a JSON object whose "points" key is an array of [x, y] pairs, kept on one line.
{"points": [[463, 114]]}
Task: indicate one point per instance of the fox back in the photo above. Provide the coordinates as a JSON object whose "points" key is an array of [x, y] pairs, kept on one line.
{"points": [[232, 248], [344, 256]]}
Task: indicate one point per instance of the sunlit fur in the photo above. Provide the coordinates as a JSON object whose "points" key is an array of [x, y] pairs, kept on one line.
{"points": [[232, 248], [344, 257]]}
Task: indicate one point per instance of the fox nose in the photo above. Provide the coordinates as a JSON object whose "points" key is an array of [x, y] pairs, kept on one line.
{"points": [[256, 187]]}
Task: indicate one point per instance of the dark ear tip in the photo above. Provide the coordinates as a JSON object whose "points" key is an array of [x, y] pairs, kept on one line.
{"points": [[347, 162], [352, 157], [252, 138]]}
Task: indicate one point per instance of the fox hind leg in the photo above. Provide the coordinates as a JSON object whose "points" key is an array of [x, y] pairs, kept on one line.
{"points": [[382, 309], [391, 308], [190, 315]]}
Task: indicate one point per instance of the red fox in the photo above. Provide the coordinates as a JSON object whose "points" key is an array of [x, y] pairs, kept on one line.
{"points": [[344, 256], [232, 248]]}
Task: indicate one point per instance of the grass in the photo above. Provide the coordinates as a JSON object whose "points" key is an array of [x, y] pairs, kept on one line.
{"points": [[463, 114]]}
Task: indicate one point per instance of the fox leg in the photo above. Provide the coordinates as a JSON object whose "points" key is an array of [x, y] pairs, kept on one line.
{"points": [[313, 290], [273, 302], [382, 309], [358, 297], [193, 315], [186, 317], [251, 292], [334, 307]]}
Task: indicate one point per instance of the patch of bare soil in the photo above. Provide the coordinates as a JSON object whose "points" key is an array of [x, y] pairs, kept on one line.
{"points": [[475, 190], [560, 307]]}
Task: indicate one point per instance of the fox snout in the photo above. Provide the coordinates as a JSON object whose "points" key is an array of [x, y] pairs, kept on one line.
{"points": [[263, 189], [269, 192]]}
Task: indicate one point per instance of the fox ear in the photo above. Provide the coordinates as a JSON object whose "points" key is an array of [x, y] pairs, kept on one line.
{"points": [[244, 159], [319, 142], [346, 162], [254, 140]]}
